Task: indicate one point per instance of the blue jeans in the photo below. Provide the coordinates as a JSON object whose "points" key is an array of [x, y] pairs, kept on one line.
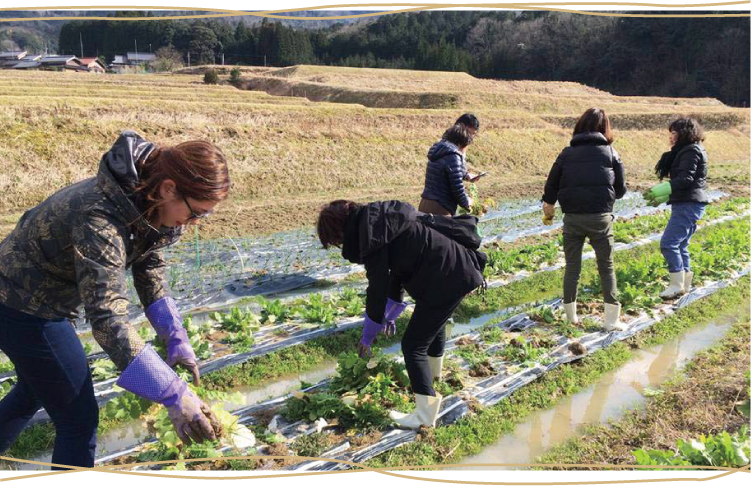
{"points": [[52, 372], [678, 233]]}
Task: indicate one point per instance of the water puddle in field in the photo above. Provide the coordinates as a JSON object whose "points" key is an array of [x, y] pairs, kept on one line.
{"points": [[282, 386], [609, 399]]}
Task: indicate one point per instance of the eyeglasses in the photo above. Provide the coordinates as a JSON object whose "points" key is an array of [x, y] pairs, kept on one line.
{"points": [[193, 214]]}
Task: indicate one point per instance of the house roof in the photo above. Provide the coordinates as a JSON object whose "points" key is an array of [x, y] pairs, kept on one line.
{"points": [[54, 59], [27, 65], [12, 54], [132, 56]]}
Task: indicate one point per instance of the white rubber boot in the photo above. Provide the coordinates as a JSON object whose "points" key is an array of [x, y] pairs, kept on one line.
{"points": [[426, 412], [675, 288], [436, 366], [687, 278], [570, 310], [612, 316]]}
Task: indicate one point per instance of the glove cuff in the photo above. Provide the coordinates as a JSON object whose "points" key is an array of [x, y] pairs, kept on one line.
{"points": [[165, 318], [370, 330], [148, 376], [393, 310]]}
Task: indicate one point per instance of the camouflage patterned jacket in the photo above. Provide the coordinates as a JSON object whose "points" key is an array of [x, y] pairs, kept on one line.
{"points": [[74, 248]]}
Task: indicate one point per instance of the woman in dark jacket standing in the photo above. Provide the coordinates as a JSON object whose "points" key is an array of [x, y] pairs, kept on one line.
{"points": [[74, 249], [586, 179], [401, 253], [444, 188], [686, 166]]}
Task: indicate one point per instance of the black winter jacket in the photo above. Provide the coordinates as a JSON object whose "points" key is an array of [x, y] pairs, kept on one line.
{"points": [[688, 175], [400, 253], [444, 175], [587, 177]]}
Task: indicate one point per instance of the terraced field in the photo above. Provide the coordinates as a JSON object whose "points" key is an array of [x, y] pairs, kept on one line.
{"points": [[290, 154], [274, 319]]}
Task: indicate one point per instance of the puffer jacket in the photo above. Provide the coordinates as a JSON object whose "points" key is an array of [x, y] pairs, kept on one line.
{"points": [[399, 252], [73, 250], [688, 175], [587, 177], [444, 175]]}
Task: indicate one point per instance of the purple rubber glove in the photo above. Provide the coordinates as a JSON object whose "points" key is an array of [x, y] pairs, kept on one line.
{"points": [[393, 310], [370, 330], [166, 321], [149, 377]]}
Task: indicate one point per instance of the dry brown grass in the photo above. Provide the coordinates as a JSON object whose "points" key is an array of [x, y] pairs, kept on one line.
{"points": [[392, 88], [289, 155]]}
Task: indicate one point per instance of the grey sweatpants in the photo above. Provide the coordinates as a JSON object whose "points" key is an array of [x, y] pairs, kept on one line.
{"points": [[599, 229]]}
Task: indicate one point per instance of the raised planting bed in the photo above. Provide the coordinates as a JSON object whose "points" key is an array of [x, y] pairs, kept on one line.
{"points": [[502, 358]]}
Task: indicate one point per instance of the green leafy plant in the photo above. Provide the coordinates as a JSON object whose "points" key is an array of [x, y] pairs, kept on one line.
{"points": [[169, 446], [522, 351], [312, 406], [360, 395], [720, 450], [350, 303], [197, 335], [5, 387], [353, 372], [479, 207], [319, 310], [507, 261], [311, 445], [240, 325], [126, 406], [88, 349], [6, 366], [103, 369], [274, 311], [236, 320]]}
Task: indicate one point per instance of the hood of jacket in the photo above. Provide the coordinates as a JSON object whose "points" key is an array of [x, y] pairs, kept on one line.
{"points": [[118, 177], [373, 226], [589, 138], [443, 148]]}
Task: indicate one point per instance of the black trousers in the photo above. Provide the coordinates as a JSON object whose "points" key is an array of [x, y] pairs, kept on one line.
{"points": [[426, 336]]}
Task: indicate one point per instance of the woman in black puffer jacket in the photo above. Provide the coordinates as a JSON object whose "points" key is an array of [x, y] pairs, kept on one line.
{"points": [[586, 179]]}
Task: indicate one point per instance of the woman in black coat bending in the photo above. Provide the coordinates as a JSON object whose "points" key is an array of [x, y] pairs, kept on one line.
{"points": [[401, 253]]}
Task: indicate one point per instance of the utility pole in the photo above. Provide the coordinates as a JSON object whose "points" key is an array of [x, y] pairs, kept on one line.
{"points": [[135, 42], [80, 40], [188, 59], [222, 59]]}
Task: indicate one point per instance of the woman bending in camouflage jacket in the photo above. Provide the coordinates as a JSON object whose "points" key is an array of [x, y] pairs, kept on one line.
{"points": [[73, 250]]}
